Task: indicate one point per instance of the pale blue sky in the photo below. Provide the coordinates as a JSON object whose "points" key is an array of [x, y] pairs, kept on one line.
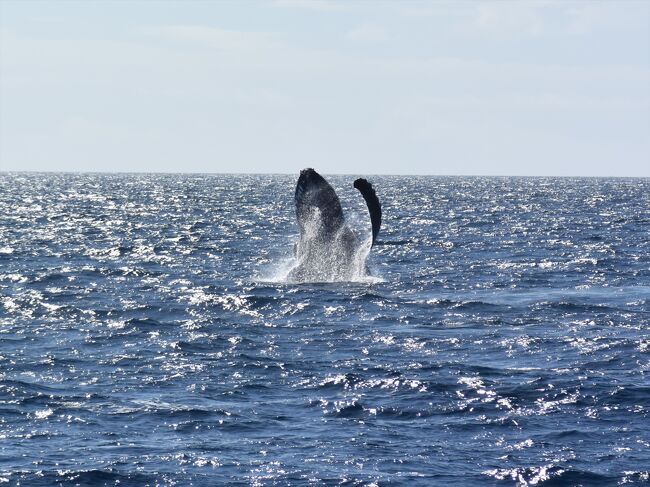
{"points": [[485, 88]]}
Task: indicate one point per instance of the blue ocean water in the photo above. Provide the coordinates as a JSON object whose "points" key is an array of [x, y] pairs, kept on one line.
{"points": [[147, 336]]}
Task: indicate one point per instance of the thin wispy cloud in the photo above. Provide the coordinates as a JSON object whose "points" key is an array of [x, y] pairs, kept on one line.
{"points": [[367, 33], [317, 5], [510, 18], [213, 37]]}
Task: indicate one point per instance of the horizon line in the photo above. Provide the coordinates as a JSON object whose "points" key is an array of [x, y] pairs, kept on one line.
{"points": [[2, 171]]}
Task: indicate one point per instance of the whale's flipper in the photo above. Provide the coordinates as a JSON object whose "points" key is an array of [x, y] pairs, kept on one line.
{"points": [[374, 207], [313, 192]]}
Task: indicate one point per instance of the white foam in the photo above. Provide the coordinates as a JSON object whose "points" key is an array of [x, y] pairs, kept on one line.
{"points": [[323, 262]]}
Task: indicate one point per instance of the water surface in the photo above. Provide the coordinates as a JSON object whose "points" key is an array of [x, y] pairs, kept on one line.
{"points": [[147, 336]]}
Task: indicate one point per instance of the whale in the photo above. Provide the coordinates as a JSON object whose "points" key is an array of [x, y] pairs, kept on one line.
{"points": [[327, 248]]}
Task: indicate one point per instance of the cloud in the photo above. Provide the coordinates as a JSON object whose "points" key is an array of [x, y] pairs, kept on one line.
{"points": [[586, 18], [322, 5], [367, 33], [549, 17], [508, 18], [212, 37]]}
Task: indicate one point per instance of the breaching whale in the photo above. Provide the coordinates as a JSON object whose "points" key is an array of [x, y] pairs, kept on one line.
{"points": [[328, 250]]}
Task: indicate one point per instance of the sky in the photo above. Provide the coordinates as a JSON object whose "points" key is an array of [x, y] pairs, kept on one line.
{"points": [[524, 88]]}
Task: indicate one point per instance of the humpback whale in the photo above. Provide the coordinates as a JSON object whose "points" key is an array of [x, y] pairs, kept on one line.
{"points": [[328, 250]]}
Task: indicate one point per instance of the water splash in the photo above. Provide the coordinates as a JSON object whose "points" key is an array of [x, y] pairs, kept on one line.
{"points": [[320, 256]]}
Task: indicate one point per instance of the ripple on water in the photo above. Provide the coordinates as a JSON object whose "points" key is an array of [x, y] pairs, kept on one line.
{"points": [[148, 335]]}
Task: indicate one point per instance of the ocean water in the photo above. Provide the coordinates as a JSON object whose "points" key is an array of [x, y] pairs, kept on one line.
{"points": [[148, 336]]}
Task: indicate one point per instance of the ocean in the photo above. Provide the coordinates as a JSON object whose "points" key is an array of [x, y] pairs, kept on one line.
{"points": [[149, 336]]}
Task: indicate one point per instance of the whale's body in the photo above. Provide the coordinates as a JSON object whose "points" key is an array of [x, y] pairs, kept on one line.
{"points": [[328, 250]]}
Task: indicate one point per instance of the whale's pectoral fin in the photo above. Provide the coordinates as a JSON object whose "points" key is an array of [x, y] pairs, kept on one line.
{"points": [[374, 207], [313, 192]]}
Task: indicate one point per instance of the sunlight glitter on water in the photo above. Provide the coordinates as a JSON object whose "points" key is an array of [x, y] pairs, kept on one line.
{"points": [[505, 316]]}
